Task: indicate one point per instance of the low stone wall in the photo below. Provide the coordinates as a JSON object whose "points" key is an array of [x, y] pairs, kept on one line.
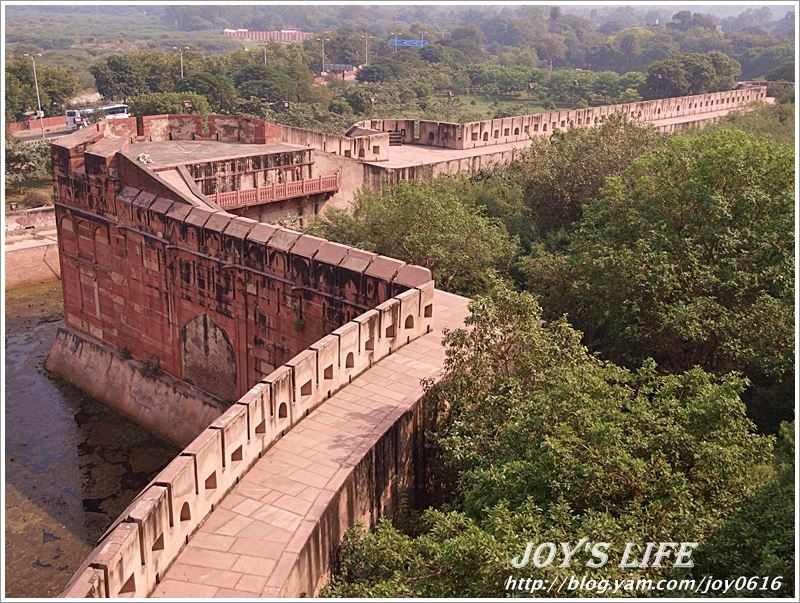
{"points": [[478, 134], [31, 260], [40, 218], [133, 556], [59, 122], [370, 147], [172, 410]]}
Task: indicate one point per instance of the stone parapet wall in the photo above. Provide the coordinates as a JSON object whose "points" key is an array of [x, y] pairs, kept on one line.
{"points": [[686, 109], [224, 128], [39, 218], [148, 536], [30, 260], [370, 147], [59, 122]]}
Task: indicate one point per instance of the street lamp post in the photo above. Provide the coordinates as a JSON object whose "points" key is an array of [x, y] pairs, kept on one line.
{"points": [[395, 34], [180, 50], [36, 85], [265, 54], [323, 53]]}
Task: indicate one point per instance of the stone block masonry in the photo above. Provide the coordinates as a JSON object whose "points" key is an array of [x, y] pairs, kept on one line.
{"points": [[271, 320], [213, 299], [667, 114]]}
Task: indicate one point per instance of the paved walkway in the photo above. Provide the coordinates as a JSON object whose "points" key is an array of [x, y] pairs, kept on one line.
{"points": [[248, 544], [409, 155]]}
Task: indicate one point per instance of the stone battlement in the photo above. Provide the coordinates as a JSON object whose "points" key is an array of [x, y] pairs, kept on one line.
{"points": [[490, 132], [148, 536]]}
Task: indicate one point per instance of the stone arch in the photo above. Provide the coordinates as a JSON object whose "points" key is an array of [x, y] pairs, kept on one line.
{"points": [[207, 357], [282, 411]]}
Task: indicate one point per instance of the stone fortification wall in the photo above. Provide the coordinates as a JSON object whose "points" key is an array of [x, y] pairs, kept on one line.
{"points": [[662, 113], [148, 536]]}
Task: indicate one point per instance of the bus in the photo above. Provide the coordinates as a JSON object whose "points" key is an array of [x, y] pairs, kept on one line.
{"points": [[77, 119]]}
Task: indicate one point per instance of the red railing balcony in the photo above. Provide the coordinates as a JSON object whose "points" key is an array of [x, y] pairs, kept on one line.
{"points": [[276, 192]]}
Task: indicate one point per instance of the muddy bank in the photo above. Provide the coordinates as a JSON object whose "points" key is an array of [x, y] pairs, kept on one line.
{"points": [[72, 465]]}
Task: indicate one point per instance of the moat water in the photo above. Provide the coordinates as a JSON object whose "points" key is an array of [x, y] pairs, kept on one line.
{"points": [[71, 464]]}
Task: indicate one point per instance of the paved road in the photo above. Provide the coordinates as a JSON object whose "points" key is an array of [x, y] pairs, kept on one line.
{"points": [[36, 135]]}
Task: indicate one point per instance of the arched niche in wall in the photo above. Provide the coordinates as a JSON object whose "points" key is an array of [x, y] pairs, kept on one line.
{"points": [[207, 357]]}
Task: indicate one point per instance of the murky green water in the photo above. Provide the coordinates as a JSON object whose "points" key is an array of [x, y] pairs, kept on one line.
{"points": [[72, 465]]}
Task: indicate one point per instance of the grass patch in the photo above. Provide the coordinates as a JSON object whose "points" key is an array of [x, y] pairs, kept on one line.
{"points": [[33, 192], [488, 105], [38, 301]]}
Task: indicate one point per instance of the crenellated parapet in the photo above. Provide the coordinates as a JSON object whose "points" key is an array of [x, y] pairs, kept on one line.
{"points": [[149, 535], [663, 113]]}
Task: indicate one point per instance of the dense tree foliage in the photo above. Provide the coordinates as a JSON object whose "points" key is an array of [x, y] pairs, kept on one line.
{"points": [[692, 73], [687, 257], [25, 161], [537, 440], [773, 122], [429, 224], [559, 175], [56, 85], [528, 54], [158, 103]]}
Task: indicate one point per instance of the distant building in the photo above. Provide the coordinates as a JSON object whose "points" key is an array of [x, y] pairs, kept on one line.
{"points": [[284, 36], [338, 68]]}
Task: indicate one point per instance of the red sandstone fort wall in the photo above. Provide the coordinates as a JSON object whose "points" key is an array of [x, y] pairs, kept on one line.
{"points": [[219, 300], [684, 109]]}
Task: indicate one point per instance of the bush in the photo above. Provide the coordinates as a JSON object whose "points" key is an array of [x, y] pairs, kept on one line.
{"points": [[36, 199], [151, 367]]}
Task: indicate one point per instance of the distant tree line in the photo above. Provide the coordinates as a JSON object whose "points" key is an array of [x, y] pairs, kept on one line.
{"points": [[560, 38]]}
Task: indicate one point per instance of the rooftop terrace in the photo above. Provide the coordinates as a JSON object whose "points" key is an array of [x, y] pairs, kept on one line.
{"points": [[180, 152]]}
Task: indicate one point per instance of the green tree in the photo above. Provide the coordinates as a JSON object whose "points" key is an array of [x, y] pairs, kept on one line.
{"points": [[265, 82], [688, 257], [758, 539], [25, 161], [56, 86], [536, 440], [561, 174], [119, 77], [430, 225], [691, 73], [783, 72], [217, 88], [551, 48], [158, 103], [772, 122]]}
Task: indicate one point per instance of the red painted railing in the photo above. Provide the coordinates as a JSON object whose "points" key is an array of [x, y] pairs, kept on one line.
{"points": [[276, 192]]}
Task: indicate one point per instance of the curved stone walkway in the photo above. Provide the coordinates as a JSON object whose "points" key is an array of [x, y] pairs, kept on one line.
{"points": [[249, 544]]}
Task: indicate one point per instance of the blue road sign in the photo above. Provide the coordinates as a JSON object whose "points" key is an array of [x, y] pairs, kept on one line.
{"points": [[410, 43]]}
